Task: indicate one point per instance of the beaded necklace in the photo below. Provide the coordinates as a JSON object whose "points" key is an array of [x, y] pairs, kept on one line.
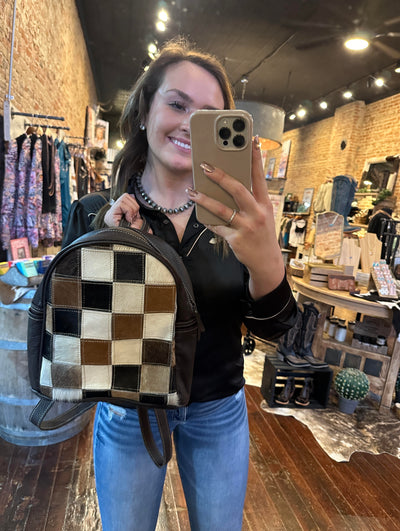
{"points": [[155, 205]]}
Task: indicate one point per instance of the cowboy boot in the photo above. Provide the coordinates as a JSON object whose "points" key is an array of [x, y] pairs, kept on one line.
{"points": [[306, 336], [303, 399], [287, 392], [286, 344]]}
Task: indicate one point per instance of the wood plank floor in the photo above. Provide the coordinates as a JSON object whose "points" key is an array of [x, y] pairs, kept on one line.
{"points": [[293, 484]]}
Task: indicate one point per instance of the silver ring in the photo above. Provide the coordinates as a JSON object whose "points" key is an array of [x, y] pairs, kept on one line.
{"points": [[229, 222]]}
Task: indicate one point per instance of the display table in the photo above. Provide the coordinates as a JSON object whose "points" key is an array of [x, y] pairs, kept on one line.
{"points": [[381, 369]]}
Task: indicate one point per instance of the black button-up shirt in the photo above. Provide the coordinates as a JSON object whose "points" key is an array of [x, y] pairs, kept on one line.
{"points": [[220, 285]]}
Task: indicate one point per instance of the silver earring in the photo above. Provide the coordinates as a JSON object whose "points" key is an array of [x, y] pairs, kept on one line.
{"points": [[142, 127]]}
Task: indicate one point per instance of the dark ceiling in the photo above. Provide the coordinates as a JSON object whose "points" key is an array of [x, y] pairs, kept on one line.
{"points": [[291, 51]]}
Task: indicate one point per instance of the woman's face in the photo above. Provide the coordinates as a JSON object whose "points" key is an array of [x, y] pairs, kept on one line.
{"points": [[186, 87]]}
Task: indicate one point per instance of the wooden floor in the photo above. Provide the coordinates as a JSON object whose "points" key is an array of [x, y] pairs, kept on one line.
{"points": [[293, 484]]}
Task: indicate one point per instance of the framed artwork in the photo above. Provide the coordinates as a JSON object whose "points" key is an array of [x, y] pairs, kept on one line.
{"points": [[91, 117], [307, 199], [270, 168], [101, 134], [284, 159], [20, 249], [277, 205]]}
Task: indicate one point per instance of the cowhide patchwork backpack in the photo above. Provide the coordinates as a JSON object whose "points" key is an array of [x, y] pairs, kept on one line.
{"points": [[114, 320]]}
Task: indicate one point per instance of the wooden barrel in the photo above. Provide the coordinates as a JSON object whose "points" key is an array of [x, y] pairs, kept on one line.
{"points": [[16, 398]]}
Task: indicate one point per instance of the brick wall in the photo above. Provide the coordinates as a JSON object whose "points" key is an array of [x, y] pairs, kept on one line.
{"points": [[370, 131], [51, 70]]}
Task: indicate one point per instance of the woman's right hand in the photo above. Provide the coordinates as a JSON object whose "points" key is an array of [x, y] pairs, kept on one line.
{"points": [[126, 207]]}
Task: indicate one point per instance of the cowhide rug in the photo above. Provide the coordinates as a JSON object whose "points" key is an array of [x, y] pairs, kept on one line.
{"points": [[338, 434]]}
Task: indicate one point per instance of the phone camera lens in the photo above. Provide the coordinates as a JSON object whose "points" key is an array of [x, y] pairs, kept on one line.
{"points": [[224, 133], [238, 141], [238, 125]]}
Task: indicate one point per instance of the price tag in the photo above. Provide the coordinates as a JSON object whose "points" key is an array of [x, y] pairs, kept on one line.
{"points": [[328, 235]]}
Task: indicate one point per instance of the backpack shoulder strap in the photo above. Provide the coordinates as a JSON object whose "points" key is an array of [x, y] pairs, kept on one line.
{"points": [[160, 459], [44, 405]]}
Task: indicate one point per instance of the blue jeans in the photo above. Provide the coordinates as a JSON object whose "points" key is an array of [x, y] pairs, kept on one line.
{"points": [[212, 448]]}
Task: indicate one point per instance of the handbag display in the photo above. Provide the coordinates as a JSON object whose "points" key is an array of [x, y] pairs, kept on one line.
{"points": [[114, 320]]}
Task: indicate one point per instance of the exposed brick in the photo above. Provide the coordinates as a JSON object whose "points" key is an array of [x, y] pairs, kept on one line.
{"points": [[371, 131], [51, 69]]}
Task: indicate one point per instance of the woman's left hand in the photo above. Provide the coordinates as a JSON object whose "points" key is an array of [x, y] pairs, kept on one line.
{"points": [[251, 233]]}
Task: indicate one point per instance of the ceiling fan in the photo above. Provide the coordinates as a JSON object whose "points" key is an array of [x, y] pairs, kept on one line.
{"points": [[355, 33]]}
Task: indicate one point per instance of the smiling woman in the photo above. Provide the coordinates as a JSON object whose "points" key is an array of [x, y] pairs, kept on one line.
{"points": [[246, 285]]}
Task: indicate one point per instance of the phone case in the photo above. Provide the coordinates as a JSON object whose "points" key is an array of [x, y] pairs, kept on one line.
{"points": [[216, 137]]}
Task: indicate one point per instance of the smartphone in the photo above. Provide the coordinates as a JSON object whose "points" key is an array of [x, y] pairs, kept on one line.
{"points": [[222, 138]]}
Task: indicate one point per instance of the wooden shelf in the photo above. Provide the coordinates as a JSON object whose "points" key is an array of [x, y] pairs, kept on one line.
{"points": [[338, 354]]}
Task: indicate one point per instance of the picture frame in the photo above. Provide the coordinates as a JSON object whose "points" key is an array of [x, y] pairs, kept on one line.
{"points": [[101, 134], [284, 159], [270, 168], [20, 249], [307, 199], [91, 117]]}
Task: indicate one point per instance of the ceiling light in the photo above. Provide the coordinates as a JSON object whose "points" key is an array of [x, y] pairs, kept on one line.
{"points": [[356, 43], [292, 116], [379, 81], [323, 104], [268, 122], [160, 25], [397, 68], [163, 15], [119, 144], [301, 112], [347, 94], [152, 48]]}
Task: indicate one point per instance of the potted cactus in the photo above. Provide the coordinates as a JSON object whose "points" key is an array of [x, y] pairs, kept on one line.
{"points": [[351, 385]]}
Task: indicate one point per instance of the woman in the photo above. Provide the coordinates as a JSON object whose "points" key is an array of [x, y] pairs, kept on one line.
{"points": [[243, 283]]}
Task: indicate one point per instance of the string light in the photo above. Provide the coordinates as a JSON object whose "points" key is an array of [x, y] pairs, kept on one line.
{"points": [[163, 15], [379, 80]]}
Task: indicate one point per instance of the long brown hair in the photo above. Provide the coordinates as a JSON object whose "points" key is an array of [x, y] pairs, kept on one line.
{"points": [[132, 157]]}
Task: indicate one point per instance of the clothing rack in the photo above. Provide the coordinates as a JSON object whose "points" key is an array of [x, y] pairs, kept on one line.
{"points": [[14, 121], [34, 115], [79, 137], [27, 124]]}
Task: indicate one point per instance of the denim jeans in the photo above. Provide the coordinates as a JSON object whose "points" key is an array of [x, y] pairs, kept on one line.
{"points": [[212, 448]]}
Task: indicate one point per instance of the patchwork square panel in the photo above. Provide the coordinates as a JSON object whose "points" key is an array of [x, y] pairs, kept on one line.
{"points": [[110, 327]]}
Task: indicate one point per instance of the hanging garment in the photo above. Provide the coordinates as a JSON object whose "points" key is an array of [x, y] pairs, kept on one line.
{"points": [[65, 161], [22, 185], [9, 194], [81, 175], [297, 232], [286, 231], [50, 230], [343, 190], [73, 189], [323, 199], [34, 193], [48, 158]]}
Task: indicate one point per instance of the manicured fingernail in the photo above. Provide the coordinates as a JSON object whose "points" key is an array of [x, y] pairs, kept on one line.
{"points": [[207, 167], [190, 192], [257, 142]]}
